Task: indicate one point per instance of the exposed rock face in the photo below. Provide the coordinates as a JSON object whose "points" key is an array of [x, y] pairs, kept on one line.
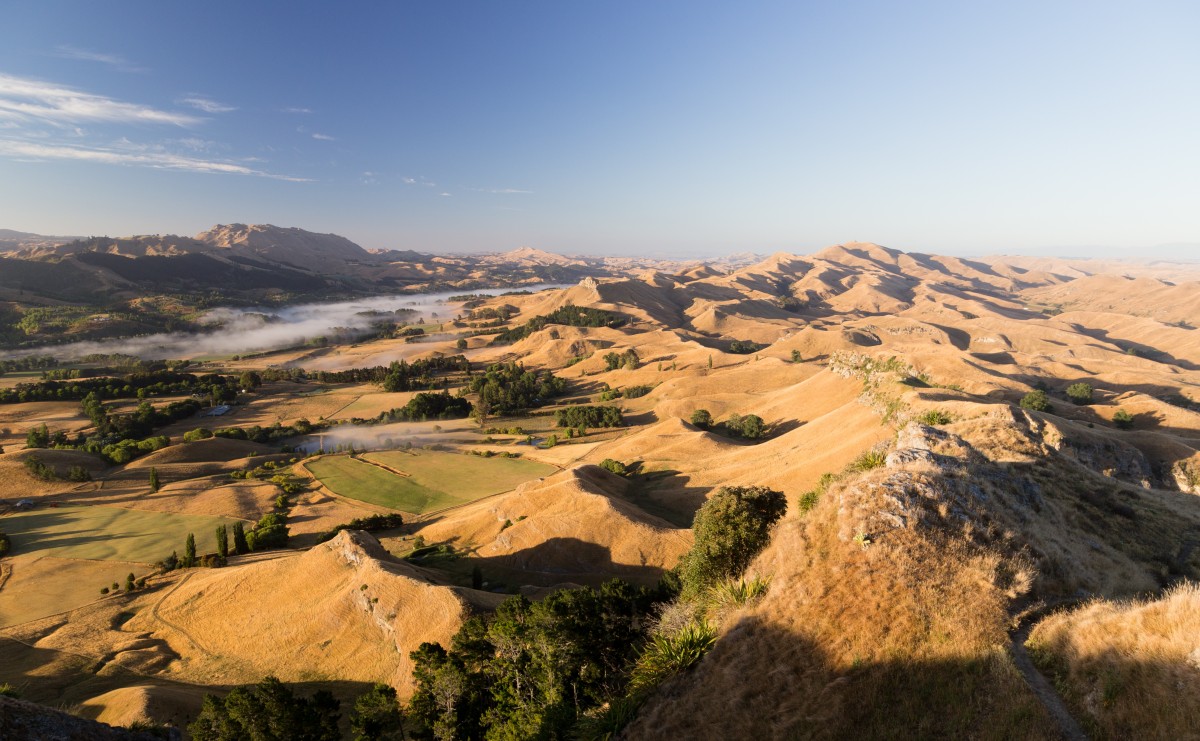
{"points": [[26, 721]]}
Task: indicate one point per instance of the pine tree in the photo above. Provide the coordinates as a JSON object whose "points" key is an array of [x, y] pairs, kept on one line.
{"points": [[189, 552], [153, 479], [129, 582], [222, 541], [240, 546]]}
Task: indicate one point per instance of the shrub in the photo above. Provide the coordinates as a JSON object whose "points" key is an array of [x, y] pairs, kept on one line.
{"points": [[742, 347], [200, 433], [614, 466], [1123, 420], [1036, 401], [797, 357], [635, 392], [730, 529], [935, 417], [868, 460], [702, 419], [1080, 394], [40, 470], [666, 656]]}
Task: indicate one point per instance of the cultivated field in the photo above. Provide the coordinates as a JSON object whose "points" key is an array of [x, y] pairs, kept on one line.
{"points": [[108, 533], [427, 480]]}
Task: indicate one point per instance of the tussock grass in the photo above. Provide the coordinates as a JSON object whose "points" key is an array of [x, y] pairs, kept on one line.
{"points": [[1129, 669]]}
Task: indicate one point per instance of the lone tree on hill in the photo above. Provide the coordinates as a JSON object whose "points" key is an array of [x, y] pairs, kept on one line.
{"points": [[730, 529], [1080, 393], [1123, 420], [153, 479], [702, 419], [1036, 401]]}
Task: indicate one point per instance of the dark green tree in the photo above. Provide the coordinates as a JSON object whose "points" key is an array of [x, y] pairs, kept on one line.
{"points": [[752, 427], [267, 711], [222, 541], [729, 530], [377, 716], [129, 581], [1036, 401], [153, 478], [702, 418], [38, 437], [1123, 420], [240, 546], [1080, 393], [189, 552]]}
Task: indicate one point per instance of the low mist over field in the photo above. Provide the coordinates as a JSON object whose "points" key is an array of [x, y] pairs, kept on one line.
{"points": [[237, 331]]}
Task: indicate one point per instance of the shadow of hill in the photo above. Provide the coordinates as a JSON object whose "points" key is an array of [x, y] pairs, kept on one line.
{"points": [[764, 682], [65, 679], [562, 560]]}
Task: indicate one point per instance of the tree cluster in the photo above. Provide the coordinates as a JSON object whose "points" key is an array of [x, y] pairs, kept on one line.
{"points": [[628, 360], [569, 315], [579, 415], [370, 524], [424, 406], [505, 388], [533, 669]]}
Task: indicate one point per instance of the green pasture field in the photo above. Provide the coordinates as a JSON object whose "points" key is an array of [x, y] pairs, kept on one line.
{"points": [[108, 533], [435, 480]]}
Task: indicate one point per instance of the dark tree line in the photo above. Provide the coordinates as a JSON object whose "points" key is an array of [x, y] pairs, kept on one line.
{"points": [[588, 416], [569, 315], [139, 385]]}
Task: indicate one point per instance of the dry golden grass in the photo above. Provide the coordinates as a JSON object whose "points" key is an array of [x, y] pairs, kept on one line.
{"points": [[348, 612], [862, 638], [1130, 669]]}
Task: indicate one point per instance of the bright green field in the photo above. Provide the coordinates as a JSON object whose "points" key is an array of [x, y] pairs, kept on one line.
{"points": [[108, 533], [436, 480]]}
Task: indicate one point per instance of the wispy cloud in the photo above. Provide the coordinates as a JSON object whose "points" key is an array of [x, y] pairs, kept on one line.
{"points": [[207, 105], [422, 181], [443, 193], [324, 137], [128, 154], [26, 100], [295, 110], [116, 61], [40, 121]]}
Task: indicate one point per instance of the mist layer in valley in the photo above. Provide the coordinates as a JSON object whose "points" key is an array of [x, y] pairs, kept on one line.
{"points": [[238, 331]]}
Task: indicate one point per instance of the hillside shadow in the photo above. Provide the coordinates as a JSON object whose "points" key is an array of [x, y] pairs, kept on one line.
{"points": [[666, 494], [763, 681], [1147, 352], [558, 561], [63, 680]]}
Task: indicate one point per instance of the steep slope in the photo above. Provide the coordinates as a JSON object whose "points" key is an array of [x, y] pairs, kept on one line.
{"points": [[360, 614]]}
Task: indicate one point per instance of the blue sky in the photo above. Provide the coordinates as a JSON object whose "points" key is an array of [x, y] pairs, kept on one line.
{"points": [[673, 128]]}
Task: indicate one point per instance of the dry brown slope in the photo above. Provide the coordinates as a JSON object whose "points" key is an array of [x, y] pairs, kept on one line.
{"points": [[344, 610]]}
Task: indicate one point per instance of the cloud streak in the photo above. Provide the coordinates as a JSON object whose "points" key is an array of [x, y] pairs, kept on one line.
{"points": [[32, 101], [324, 137], [114, 156], [116, 61], [207, 105]]}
